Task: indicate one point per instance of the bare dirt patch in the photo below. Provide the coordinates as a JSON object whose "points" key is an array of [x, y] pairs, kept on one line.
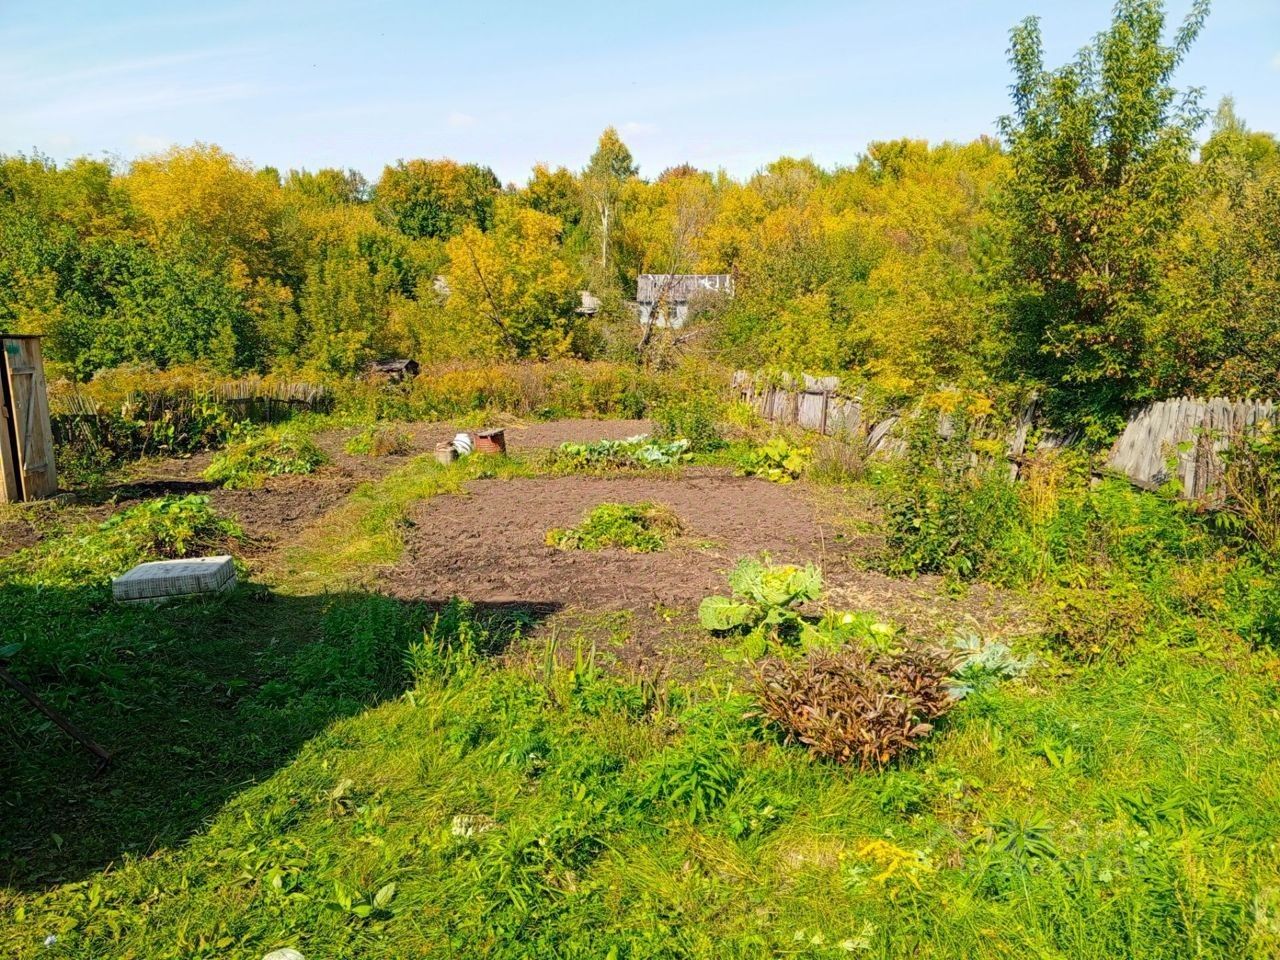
{"points": [[284, 505], [278, 510], [489, 546], [16, 534]]}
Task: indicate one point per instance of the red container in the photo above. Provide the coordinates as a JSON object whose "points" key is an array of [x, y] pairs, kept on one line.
{"points": [[491, 441]]}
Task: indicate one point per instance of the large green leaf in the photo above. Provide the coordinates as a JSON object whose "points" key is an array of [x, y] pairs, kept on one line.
{"points": [[725, 613], [785, 585], [744, 579]]}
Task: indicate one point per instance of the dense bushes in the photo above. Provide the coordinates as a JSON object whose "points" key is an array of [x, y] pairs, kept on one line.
{"points": [[694, 416], [128, 413], [1110, 566], [544, 391], [948, 507], [1251, 486], [951, 507]]}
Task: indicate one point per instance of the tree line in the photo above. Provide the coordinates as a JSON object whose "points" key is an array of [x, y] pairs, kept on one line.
{"points": [[1095, 250]]}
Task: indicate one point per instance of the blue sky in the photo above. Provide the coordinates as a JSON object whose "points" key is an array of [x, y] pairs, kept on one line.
{"points": [[717, 84]]}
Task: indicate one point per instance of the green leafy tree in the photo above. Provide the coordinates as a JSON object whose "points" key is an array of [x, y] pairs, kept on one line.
{"points": [[222, 240], [1233, 145], [64, 234], [180, 302], [329, 187], [1218, 330], [554, 192], [608, 171], [358, 275], [1101, 173], [436, 198]]}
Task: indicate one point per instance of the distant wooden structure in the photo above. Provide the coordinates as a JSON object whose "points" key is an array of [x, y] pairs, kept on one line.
{"points": [[662, 299], [393, 371], [27, 470]]}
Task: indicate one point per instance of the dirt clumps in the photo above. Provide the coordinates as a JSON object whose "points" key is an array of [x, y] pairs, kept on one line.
{"points": [[490, 544], [278, 510]]}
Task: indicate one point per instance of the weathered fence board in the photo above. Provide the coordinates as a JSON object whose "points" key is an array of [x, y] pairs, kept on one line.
{"points": [[28, 470], [814, 403], [1184, 437]]}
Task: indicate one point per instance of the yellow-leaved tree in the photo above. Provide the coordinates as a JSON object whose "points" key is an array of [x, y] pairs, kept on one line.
{"points": [[511, 292], [205, 188], [219, 285]]}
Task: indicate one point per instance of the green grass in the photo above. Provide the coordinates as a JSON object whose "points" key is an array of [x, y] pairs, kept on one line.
{"points": [[567, 813], [330, 769], [196, 698], [379, 440], [267, 453], [89, 554], [637, 527]]}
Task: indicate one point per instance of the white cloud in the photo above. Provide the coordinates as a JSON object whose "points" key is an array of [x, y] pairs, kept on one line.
{"points": [[458, 119], [635, 128], [1275, 62], [34, 77]]}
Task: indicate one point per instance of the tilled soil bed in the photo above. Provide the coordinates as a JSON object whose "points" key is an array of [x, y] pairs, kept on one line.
{"points": [[282, 506], [490, 545]]}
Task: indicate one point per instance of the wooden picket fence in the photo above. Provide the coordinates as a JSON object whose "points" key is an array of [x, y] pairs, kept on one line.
{"points": [[81, 421], [1184, 437], [812, 403], [251, 398]]}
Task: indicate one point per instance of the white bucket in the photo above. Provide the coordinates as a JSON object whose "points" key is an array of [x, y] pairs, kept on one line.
{"points": [[463, 444]]}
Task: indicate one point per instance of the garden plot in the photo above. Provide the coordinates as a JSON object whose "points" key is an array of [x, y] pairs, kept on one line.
{"points": [[272, 514], [490, 546], [283, 505]]}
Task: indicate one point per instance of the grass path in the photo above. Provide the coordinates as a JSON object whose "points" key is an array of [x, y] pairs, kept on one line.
{"points": [[348, 545]]}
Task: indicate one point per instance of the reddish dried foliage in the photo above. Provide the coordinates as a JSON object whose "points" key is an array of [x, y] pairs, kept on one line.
{"points": [[854, 706]]}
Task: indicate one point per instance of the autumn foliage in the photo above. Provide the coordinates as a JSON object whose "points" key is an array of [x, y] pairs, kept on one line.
{"points": [[1090, 252], [854, 705]]}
